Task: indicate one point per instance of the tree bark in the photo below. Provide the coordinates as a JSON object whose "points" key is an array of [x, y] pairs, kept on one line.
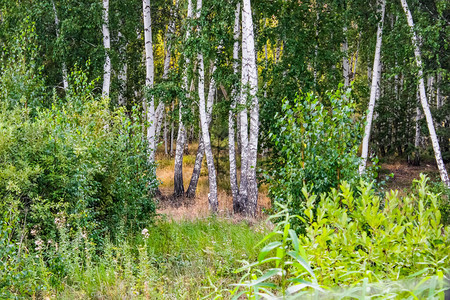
{"points": [[64, 67], [345, 61], [166, 150], [190, 193], [172, 129], [212, 196], [423, 96], [178, 172], [373, 92], [231, 114], [107, 46], [149, 80], [250, 88]]}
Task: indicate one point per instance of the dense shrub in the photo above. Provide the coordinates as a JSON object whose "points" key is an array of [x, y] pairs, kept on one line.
{"points": [[79, 162], [391, 247]]}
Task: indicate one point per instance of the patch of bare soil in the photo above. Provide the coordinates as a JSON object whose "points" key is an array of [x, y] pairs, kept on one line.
{"points": [[183, 208], [404, 174]]}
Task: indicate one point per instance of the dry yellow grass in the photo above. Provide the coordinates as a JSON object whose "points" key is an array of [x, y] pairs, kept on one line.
{"points": [[198, 207]]}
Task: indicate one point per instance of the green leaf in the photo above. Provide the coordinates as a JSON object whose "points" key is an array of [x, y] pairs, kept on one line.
{"points": [[294, 239], [264, 251]]}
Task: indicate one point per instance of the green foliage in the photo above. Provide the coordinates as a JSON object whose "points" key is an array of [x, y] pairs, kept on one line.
{"points": [[314, 146], [79, 159], [358, 245], [283, 272], [169, 260], [386, 238], [20, 80], [444, 204]]}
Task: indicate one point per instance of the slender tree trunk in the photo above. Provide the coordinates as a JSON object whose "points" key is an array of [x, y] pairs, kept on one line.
{"points": [[212, 196], [64, 68], [166, 149], [232, 116], [417, 136], [172, 128], [345, 61], [107, 46], [423, 97], [373, 92], [190, 193], [159, 116], [243, 130], [149, 79], [178, 172], [249, 59]]}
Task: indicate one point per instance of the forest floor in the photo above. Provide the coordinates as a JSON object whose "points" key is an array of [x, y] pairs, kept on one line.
{"points": [[404, 173], [198, 207], [191, 209]]}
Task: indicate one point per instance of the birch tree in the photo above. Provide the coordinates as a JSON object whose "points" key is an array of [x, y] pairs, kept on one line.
{"points": [[190, 193], [250, 80], [149, 80], [64, 67], [373, 90], [107, 46], [423, 96], [231, 113], [178, 171], [212, 196]]}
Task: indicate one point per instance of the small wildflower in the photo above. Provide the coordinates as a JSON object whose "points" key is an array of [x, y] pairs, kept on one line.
{"points": [[38, 244], [60, 220], [145, 233]]}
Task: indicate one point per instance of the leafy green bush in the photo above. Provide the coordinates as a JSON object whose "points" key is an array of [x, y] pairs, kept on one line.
{"points": [[316, 144], [77, 160], [350, 236], [357, 245]]}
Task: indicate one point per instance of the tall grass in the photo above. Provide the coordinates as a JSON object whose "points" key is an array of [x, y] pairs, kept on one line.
{"points": [[172, 260]]}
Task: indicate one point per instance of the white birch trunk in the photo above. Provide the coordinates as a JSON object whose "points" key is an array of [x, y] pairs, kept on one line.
{"points": [[249, 59], [178, 172], [423, 97], [190, 193], [231, 114], [172, 129], [243, 126], [373, 92], [418, 117], [107, 46], [212, 196], [64, 68], [149, 80], [166, 150], [345, 60], [159, 116]]}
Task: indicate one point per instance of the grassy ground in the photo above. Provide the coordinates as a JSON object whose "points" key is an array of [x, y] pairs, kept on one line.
{"points": [[178, 260]]}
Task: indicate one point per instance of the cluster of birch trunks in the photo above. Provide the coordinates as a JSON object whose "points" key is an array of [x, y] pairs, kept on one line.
{"points": [[243, 123]]}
